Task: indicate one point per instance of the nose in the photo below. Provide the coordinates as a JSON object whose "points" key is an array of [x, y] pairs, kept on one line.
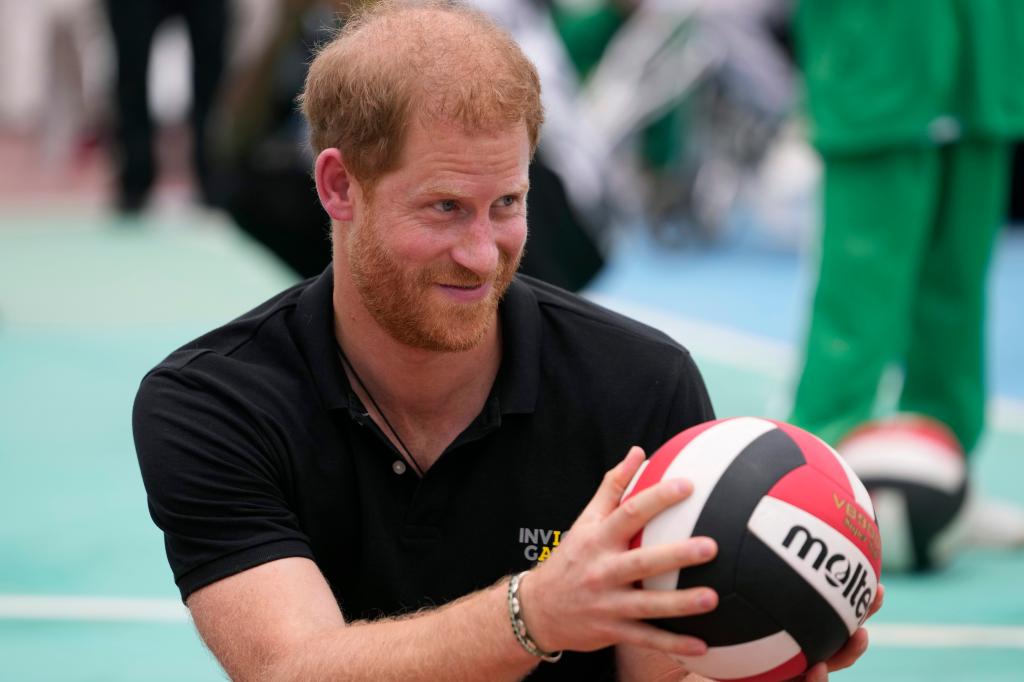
{"points": [[477, 249]]}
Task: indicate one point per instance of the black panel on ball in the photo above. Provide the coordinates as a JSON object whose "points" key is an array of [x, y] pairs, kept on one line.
{"points": [[734, 621], [930, 512], [771, 584], [724, 517]]}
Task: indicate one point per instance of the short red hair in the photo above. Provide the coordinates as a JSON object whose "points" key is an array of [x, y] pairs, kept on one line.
{"points": [[434, 59]]}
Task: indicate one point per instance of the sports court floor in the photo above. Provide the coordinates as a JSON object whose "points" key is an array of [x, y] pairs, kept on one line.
{"points": [[88, 304]]}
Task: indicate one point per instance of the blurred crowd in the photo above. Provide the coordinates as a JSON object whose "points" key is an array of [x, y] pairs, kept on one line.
{"points": [[656, 110], [665, 113]]}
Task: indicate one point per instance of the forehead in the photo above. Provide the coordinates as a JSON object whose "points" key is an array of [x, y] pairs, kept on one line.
{"points": [[442, 154]]}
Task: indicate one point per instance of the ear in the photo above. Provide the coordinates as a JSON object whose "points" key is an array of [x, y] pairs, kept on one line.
{"points": [[334, 185]]}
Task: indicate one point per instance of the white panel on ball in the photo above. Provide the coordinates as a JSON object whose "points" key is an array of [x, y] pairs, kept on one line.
{"points": [[708, 456], [744, 660], [891, 508], [905, 456], [773, 520]]}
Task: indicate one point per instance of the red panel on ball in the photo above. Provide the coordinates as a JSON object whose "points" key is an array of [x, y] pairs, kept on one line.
{"points": [[787, 670], [819, 455], [925, 427], [810, 490]]}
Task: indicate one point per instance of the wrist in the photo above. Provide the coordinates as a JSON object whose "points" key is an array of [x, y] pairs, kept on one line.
{"points": [[524, 607]]}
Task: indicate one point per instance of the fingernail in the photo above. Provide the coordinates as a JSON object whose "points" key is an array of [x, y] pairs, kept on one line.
{"points": [[682, 486], [705, 549], [695, 649], [706, 600]]}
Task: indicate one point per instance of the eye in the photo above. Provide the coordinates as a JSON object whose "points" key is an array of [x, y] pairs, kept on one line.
{"points": [[508, 201], [446, 205]]}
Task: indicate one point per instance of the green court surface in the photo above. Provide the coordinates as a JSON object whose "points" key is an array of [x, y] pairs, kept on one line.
{"points": [[88, 304]]}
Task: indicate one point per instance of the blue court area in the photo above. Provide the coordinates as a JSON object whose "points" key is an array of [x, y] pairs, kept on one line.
{"points": [[88, 304]]}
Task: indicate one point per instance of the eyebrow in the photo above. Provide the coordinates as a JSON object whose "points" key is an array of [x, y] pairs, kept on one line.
{"points": [[451, 191]]}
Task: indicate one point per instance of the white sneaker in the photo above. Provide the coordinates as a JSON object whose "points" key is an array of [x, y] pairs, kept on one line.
{"points": [[993, 524]]}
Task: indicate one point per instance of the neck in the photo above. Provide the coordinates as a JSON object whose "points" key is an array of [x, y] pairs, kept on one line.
{"points": [[416, 382], [428, 396]]}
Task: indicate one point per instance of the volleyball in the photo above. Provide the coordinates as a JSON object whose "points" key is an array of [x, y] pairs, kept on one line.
{"points": [[915, 471], [799, 553]]}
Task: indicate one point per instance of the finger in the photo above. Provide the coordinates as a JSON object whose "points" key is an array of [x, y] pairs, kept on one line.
{"points": [[645, 562], [651, 637], [648, 604], [816, 673], [879, 600], [633, 514], [851, 651], [608, 494]]}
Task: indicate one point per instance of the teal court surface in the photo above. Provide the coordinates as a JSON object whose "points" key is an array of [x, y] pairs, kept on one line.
{"points": [[88, 304]]}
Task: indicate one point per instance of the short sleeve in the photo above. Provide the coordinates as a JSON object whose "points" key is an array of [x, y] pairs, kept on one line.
{"points": [[214, 479], [691, 404]]}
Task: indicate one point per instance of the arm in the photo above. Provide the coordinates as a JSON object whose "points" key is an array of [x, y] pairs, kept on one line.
{"points": [[279, 621], [635, 664]]}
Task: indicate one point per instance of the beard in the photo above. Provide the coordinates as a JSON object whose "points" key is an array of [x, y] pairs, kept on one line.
{"points": [[401, 299]]}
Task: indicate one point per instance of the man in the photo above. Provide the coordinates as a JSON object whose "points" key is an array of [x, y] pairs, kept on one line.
{"points": [[348, 475]]}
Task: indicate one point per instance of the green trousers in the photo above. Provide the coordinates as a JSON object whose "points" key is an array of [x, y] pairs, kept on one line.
{"points": [[906, 244]]}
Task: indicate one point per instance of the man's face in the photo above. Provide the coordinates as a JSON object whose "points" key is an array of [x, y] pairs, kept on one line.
{"points": [[435, 248]]}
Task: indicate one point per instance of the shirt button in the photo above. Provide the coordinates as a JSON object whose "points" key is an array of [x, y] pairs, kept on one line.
{"points": [[398, 467]]}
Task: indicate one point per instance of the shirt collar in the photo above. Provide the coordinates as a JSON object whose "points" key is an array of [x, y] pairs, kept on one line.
{"points": [[313, 327], [518, 376]]}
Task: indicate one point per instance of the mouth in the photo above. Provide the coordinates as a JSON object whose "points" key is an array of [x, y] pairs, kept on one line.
{"points": [[466, 293]]}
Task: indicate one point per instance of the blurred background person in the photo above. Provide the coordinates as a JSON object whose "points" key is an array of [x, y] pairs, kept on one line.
{"points": [[259, 156], [54, 67], [657, 111], [133, 25], [913, 106]]}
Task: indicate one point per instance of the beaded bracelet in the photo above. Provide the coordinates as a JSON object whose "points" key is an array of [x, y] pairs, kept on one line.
{"points": [[515, 611]]}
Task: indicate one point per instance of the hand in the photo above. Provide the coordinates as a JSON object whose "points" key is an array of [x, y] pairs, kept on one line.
{"points": [[851, 651], [584, 597]]}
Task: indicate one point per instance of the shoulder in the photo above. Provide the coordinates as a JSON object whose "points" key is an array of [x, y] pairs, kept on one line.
{"points": [[593, 330], [623, 382], [598, 355], [242, 368], [238, 339]]}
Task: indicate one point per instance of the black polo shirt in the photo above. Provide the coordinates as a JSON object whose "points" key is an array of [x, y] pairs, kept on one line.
{"points": [[253, 447]]}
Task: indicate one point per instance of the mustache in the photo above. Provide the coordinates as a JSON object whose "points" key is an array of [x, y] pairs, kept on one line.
{"points": [[456, 276], [453, 274]]}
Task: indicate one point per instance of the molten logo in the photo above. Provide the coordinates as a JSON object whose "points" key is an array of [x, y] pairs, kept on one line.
{"points": [[841, 572]]}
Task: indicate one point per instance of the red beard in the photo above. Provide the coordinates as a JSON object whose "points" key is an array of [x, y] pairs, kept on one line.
{"points": [[402, 302]]}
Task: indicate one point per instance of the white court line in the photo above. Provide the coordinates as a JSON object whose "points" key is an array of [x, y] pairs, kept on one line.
{"points": [[765, 356], [121, 609], [914, 636]]}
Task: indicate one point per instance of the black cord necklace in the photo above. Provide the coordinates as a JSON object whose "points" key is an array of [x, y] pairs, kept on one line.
{"points": [[405, 452]]}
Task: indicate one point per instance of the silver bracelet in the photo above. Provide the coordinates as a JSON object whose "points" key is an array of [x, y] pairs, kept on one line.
{"points": [[515, 613]]}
